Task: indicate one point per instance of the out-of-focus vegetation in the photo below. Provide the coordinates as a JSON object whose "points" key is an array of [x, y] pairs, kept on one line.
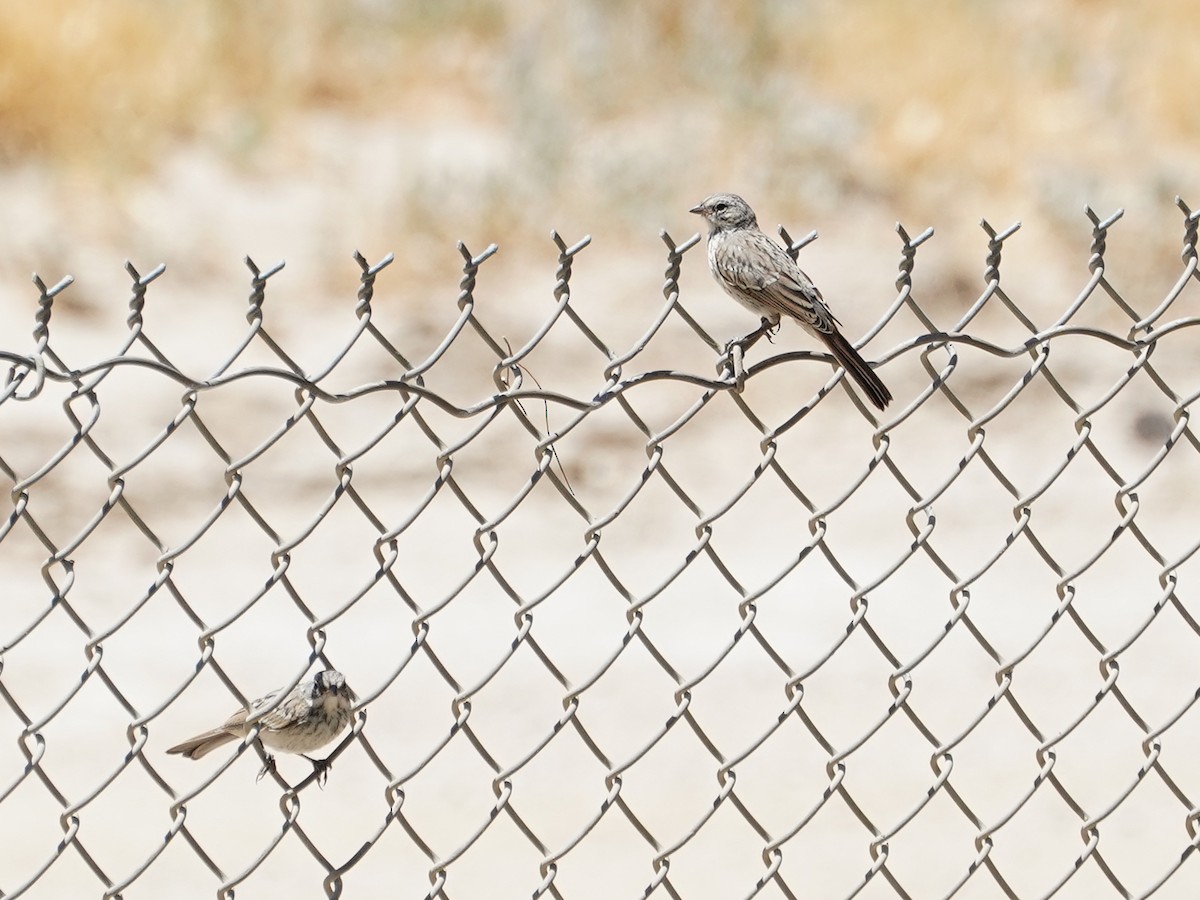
{"points": [[613, 112]]}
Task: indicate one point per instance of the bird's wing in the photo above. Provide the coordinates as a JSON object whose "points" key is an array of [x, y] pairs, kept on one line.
{"points": [[272, 721], [794, 288], [746, 266], [766, 272]]}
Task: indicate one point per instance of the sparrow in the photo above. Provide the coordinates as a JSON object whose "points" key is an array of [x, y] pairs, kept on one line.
{"points": [[309, 717], [758, 273]]}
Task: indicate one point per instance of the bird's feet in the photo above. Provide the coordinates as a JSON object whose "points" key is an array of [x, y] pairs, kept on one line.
{"points": [[268, 766], [767, 329], [321, 769]]}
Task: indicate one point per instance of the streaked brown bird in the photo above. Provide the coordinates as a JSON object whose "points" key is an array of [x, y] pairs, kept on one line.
{"points": [[313, 714], [758, 273]]}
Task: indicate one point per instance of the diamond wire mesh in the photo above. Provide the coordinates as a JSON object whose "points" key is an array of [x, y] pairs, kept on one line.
{"points": [[663, 634]]}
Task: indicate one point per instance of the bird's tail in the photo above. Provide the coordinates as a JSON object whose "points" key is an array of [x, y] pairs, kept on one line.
{"points": [[852, 362], [203, 743]]}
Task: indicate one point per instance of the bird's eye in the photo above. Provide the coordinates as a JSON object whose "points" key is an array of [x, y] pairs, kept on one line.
{"points": [[720, 207]]}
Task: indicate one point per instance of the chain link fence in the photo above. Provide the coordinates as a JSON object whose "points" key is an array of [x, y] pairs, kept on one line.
{"points": [[620, 630]]}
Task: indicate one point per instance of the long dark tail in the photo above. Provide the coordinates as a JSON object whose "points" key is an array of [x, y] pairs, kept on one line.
{"points": [[849, 360]]}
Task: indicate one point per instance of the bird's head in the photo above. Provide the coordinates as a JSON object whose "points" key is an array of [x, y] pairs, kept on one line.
{"points": [[331, 682], [725, 212]]}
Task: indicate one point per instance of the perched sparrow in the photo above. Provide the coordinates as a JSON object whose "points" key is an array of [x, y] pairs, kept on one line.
{"points": [[312, 715], [759, 274]]}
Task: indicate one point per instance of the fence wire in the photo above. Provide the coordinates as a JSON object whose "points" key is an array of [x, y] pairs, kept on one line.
{"points": [[652, 633]]}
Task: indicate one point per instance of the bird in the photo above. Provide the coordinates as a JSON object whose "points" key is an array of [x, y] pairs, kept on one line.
{"points": [[758, 273], [314, 713]]}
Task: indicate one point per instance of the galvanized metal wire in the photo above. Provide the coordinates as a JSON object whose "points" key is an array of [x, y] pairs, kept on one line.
{"points": [[586, 672]]}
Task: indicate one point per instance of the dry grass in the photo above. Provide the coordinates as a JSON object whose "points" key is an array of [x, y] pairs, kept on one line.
{"points": [[113, 84], [515, 116]]}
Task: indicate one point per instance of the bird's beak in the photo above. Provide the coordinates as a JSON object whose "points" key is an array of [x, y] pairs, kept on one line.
{"points": [[698, 209]]}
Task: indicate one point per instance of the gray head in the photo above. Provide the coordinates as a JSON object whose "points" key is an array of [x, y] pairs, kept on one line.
{"points": [[330, 681], [725, 212]]}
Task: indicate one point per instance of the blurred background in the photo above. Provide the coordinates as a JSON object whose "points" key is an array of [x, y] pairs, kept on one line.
{"points": [[193, 133], [197, 132]]}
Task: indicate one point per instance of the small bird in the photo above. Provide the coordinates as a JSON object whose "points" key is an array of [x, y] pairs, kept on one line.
{"points": [[759, 274], [313, 714]]}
